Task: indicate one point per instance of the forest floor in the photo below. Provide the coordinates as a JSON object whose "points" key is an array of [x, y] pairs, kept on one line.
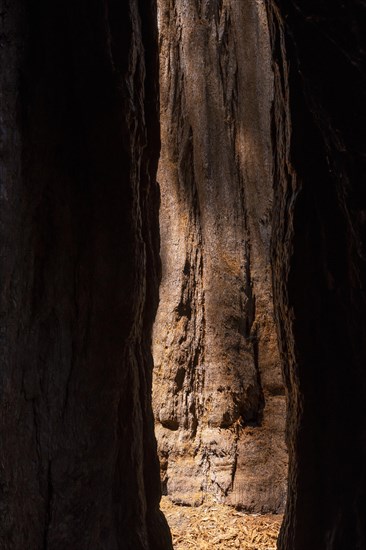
{"points": [[221, 527]]}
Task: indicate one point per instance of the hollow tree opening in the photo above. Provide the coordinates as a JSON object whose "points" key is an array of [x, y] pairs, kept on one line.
{"points": [[218, 394]]}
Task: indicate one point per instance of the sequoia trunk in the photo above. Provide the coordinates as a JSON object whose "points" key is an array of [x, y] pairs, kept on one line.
{"points": [[80, 144], [319, 265], [218, 393]]}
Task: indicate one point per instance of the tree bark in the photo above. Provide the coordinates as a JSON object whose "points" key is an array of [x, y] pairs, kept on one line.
{"points": [[319, 266], [218, 393], [79, 200]]}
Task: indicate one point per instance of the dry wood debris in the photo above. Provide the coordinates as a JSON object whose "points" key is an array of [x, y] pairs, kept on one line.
{"points": [[216, 526]]}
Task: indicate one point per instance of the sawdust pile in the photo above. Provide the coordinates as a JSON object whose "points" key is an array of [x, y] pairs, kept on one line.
{"points": [[216, 526]]}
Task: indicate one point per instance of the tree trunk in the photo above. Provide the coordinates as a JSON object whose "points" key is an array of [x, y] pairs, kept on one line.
{"points": [[80, 143], [218, 393], [319, 266]]}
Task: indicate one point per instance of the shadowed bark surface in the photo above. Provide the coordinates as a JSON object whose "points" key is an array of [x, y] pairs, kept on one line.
{"points": [[319, 265], [79, 200]]}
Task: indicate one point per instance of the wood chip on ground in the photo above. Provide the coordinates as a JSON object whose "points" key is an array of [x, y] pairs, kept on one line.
{"points": [[221, 527]]}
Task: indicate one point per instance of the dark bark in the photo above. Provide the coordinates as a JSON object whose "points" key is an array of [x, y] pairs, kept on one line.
{"points": [[319, 259], [79, 232]]}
